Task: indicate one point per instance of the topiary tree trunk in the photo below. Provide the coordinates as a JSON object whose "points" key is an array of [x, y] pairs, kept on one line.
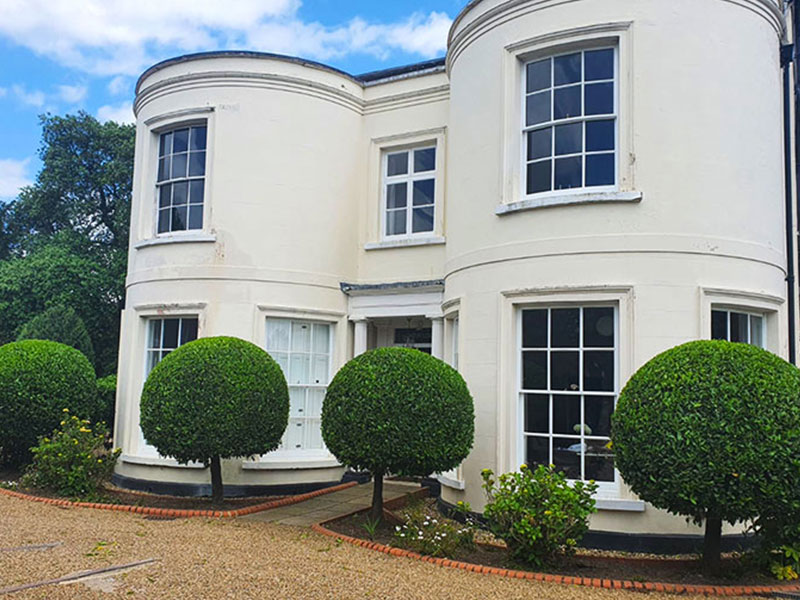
{"points": [[712, 545], [217, 491], [377, 497]]}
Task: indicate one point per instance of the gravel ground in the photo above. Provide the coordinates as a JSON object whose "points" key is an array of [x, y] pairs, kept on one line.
{"points": [[210, 559]]}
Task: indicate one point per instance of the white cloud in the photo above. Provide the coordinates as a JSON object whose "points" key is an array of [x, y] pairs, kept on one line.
{"points": [[118, 85], [122, 113], [34, 98], [122, 37], [3, 92], [13, 176], [73, 94]]}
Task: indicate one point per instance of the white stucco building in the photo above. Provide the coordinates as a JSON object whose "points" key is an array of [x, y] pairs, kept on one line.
{"points": [[575, 188]]}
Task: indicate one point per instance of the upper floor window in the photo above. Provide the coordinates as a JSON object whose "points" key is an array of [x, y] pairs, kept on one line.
{"points": [[409, 185], [181, 179], [734, 326], [570, 122]]}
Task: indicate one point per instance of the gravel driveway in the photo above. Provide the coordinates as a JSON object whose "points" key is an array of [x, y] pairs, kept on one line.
{"points": [[209, 559]]}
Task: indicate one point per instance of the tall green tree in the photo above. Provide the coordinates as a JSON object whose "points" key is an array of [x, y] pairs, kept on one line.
{"points": [[64, 240]]}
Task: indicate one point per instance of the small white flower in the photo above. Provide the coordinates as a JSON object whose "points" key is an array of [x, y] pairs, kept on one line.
{"points": [[397, 528]]}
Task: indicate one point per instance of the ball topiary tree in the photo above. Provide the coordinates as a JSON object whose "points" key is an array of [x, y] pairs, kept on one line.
{"points": [[215, 398], [711, 430], [400, 411], [107, 398], [38, 379], [59, 324]]}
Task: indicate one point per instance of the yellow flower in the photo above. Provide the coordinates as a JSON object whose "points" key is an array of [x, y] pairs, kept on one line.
{"points": [[99, 460], [523, 466], [65, 410], [84, 430], [548, 512]]}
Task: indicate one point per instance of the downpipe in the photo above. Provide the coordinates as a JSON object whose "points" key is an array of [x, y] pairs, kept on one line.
{"points": [[789, 55]]}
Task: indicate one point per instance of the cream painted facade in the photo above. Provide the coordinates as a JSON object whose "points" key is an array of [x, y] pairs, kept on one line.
{"points": [[295, 213]]}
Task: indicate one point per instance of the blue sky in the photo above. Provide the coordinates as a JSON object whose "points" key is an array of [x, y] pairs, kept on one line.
{"points": [[61, 56]]}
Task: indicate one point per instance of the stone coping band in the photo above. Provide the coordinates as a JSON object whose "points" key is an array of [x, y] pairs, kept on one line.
{"points": [[616, 584], [180, 513]]}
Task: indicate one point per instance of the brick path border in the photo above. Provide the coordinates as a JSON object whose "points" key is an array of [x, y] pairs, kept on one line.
{"points": [[180, 513]]}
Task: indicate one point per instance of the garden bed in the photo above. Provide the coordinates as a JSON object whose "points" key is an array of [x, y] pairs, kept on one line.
{"points": [[586, 565]]}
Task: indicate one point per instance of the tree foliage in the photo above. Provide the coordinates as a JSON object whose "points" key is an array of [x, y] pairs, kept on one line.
{"points": [[59, 324], [215, 398], [711, 430]]}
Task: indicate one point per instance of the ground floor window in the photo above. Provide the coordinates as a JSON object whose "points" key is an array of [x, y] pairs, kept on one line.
{"points": [[737, 326], [303, 351], [418, 338], [568, 388]]}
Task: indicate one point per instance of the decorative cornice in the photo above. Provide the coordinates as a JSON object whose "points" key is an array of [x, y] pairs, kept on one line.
{"points": [[401, 287]]}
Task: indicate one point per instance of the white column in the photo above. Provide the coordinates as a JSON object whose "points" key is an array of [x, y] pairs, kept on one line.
{"points": [[437, 337], [360, 339]]}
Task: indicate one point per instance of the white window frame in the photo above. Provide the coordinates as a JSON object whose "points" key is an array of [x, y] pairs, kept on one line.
{"points": [[771, 308], [604, 487], [408, 178], [750, 314], [552, 124], [454, 478]]}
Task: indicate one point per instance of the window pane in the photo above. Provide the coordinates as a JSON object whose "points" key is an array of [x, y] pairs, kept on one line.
{"points": [[600, 170], [196, 191], [757, 331], [600, 99], [164, 195], [600, 135], [294, 434], [152, 360], [534, 370], [534, 328], [319, 369], [170, 333], [395, 222], [568, 173], [539, 177], [537, 108], [538, 76], [537, 451], [424, 160], [297, 402], [397, 164], [188, 330], [396, 195], [179, 165], [314, 401], [567, 102], [321, 339], [155, 333], [537, 413], [599, 64], [180, 140], [567, 456], [164, 166], [163, 220], [597, 410], [567, 415], [301, 337], [719, 325], [569, 138], [422, 220], [540, 143], [739, 327], [598, 327], [165, 145], [599, 461], [178, 219], [198, 138], [564, 371], [598, 371], [423, 192], [197, 164], [567, 69], [195, 216], [278, 331], [180, 193], [566, 323], [282, 359], [299, 369]]}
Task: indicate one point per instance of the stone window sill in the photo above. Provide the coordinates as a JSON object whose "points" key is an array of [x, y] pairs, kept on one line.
{"points": [[187, 238], [612, 504], [291, 464], [158, 461], [566, 200], [405, 243]]}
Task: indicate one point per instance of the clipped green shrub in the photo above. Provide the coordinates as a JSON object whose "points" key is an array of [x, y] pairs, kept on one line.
{"points": [[59, 324], [711, 430], [399, 411], [107, 398], [73, 461], [539, 514], [215, 398], [37, 380]]}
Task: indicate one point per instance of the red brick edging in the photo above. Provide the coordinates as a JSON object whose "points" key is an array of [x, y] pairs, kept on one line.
{"points": [[182, 513], [673, 588]]}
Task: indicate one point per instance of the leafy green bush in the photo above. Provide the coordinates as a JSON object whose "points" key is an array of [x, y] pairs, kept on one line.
{"points": [[778, 550], [37, 380], [59, 324], [427, 532], [107, 398], [215, 398], [400, 411], [73, 462], [539, 514], [711, 430]]}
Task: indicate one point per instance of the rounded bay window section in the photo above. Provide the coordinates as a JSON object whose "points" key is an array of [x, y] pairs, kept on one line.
{"points": [[611, 158]]}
